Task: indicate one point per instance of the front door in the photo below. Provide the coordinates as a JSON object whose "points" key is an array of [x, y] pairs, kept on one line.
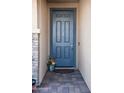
{"points": [[63, 37]]}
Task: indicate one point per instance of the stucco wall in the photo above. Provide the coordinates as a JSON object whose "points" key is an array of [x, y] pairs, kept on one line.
{"points": [[34, 14], [43, 26], [62, 5], [85, 40]]}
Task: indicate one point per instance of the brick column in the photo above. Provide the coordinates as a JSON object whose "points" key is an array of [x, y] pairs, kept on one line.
{"points": [[35, 56]]}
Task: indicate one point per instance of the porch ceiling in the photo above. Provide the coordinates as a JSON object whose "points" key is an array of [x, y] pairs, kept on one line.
{"points": [[62, 1]]}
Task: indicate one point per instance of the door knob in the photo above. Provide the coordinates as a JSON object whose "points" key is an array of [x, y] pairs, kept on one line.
{"points": [[71, 45]]}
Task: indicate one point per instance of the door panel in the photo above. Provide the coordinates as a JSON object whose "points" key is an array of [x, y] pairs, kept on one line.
{"points": [[58, 31], [67, 31], [63, 37]]}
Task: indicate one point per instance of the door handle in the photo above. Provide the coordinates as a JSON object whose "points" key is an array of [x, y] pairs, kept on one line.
{"points": [[71, 46]]}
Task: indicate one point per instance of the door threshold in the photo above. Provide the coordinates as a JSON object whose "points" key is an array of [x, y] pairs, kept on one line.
{"points": [[65, 67]]}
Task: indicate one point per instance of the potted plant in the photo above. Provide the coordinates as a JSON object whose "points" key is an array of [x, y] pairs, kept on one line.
{"points": [[51, 63]]}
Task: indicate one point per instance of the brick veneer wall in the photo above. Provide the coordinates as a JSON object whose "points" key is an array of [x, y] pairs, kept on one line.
{"points": [[35, 56]]}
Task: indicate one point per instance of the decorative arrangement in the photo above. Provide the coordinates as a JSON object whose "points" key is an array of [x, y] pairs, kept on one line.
{"points": [[51, 63]]}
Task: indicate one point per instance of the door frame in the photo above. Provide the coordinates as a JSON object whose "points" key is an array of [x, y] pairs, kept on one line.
{"points": [[62, 6], [74, 25]]}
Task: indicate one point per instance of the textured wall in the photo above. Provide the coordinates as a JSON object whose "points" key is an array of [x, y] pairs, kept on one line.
{"points": [[43, 26], [35, 56], [62, 1], [34, 14], [85, 40]]}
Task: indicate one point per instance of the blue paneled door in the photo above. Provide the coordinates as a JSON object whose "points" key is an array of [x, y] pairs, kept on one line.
{"points": [[63, 37]]}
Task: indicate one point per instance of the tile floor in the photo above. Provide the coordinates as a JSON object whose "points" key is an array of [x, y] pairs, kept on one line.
{"points": [[63, 83]]}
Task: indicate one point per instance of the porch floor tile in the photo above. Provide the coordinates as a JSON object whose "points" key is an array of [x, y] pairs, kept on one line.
{"points": [[63, 83]]}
